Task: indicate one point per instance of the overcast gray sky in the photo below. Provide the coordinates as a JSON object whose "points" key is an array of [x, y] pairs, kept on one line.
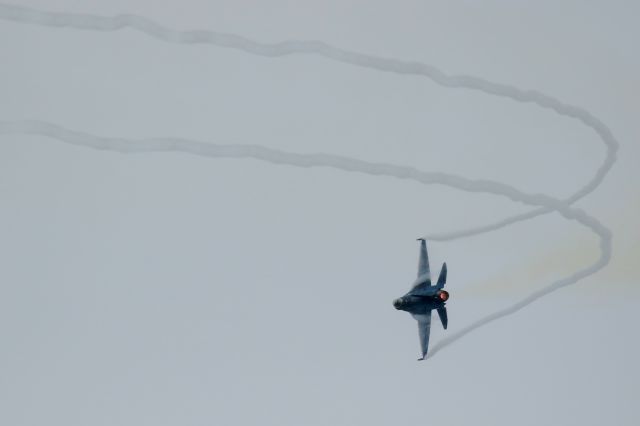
{"points": [[167, 288]]}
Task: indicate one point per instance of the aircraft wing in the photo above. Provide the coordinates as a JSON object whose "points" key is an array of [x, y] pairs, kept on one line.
{"points": [[424, 330], [423, 282], [423, 262]]}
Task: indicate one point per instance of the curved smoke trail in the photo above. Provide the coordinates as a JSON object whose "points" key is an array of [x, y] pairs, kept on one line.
{"points": [[346, 164], [292, 47], [545, 203]]}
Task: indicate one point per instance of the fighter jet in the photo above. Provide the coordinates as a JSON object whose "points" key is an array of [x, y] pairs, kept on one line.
{"points": [[424, 297]]}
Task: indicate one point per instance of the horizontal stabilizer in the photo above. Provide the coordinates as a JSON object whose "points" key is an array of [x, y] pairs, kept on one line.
{"points": [[442, 279], [442, 313]]}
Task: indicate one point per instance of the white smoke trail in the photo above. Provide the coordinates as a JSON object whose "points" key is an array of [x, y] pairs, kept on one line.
{"points": [[291, 47], [346, 164], [153, 29]]}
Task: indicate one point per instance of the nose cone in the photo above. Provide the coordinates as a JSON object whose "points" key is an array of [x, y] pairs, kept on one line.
{"points": [[397, 303]]}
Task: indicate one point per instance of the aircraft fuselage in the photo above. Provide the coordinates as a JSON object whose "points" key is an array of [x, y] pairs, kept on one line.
{"points": [[418, 305]]}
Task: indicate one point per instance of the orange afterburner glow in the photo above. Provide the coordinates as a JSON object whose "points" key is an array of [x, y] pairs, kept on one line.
{"points": [[443, 295]]}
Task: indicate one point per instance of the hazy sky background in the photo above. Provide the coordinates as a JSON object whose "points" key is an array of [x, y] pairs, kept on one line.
{"points": [[167, 289]]}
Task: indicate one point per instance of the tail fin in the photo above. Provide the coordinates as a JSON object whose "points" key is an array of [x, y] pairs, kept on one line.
{"points": [[442, 279], [442, 313]]}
